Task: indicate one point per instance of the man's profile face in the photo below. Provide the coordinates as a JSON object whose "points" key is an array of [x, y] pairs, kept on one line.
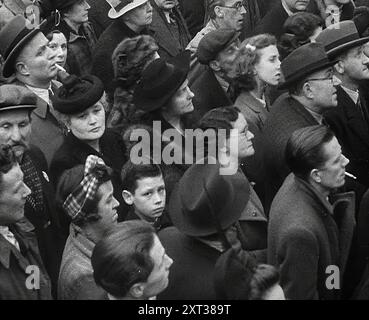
{"points": [[227, 57], [233, 13], [166, 5], [297, 5], [15, 130], [356, 63]]}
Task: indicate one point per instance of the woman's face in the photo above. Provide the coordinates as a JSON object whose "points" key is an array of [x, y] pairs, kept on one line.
{"points": [[268, 68], [181, 102], [59, 44], [89, 125], [78, 13]]}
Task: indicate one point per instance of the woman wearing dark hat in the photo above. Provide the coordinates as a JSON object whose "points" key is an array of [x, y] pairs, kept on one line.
{"points": [[79, 103], [80, 35], [205, 208]]}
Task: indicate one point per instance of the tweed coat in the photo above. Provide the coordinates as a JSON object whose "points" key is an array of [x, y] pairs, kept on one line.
{"points": [[14, 263], [352, 132], [76, 281], [169, 43], [306, 234], [47, 131], [102, 65], [286, 116]]}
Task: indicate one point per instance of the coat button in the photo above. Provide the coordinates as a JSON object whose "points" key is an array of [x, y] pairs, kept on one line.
{"points": [[254, 214]]}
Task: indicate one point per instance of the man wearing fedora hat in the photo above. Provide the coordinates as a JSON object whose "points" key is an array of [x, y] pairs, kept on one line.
{"points": [[28, 57], [309, 79], [350, 121], [217, 51], [16, 105], [131, 18], [204, 208]]}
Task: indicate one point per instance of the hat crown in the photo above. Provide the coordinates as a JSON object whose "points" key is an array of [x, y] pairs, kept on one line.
{"points": [[16, 97], [304, 61], [206, 200]]}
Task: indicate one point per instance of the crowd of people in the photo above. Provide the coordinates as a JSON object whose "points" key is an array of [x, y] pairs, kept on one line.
{"points": [[184, 149]]}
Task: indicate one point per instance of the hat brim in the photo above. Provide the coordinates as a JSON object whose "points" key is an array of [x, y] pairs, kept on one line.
{"points": [[26, 106], [346, 46], [302, 75], [113, 14], [182, 64], [232, 211], [8, 66]]}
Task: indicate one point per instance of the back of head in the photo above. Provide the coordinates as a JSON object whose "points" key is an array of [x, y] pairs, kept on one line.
{"points": [[304, 151], [7, 160], [122, 258]]}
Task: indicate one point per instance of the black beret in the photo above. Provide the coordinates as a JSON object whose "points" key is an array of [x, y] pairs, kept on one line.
{"points": [[77, 94]]}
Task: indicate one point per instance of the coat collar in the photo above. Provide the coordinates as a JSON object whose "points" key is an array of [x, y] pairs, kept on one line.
{"points": [[80, 241], [254, 104]]}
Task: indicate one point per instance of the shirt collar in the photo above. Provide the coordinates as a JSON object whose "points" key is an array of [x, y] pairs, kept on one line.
{"points": [[224, 84], [354, 95], [285, 7], [41, 93]]}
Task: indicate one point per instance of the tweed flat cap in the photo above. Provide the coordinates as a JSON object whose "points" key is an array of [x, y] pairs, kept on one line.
{"points": [[14, 97]]}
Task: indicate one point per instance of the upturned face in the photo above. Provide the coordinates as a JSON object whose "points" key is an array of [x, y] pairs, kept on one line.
{"points": [[356, 63], [297, 5], [232, 14], [268, 68], [78, 12]]}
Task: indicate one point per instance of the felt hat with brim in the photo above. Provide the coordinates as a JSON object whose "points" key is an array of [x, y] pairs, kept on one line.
{"points": [[51, 5], [160, 81], [121, 7], [13, 37], [13, 97], [340, 37], [302, 62], [205, 203]]}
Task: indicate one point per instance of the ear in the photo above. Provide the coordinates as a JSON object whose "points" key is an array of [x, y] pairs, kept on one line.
{"points": [[214, 65], [21, 68], [137, 290], [308, 93], [340, 67], [218, 12], [128, 197], [315, 176]]}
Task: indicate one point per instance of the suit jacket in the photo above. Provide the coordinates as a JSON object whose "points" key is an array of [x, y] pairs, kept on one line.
{"points": [[102, 66], [47, 132], [208, 95], [307, 234], [286, 116], [14, 264], [194, 13], [46, 223], [352, 132], [170, 44], [273, 21]]}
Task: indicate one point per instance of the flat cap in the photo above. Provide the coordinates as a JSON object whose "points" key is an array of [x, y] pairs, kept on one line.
{"points": [[14, 97], [214, 42]]}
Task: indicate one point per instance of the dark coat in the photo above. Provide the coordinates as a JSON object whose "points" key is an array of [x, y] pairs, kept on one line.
{"points": [[102, 65], [98, 15], [286, 116], [46, 223], [273, 21], [170, 43], [191, 275], [208, 95], [162, 222], [13, 266], [306, 235], [47, 131], [352, 132], [74, 152], [194, 13]]}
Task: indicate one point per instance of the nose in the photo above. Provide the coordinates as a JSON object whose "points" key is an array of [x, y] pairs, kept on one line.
{"points": [[250, 135], [158, 198], [279, 64], [52, 53], [169, 261], [243, 10], [87, 6], [345, 161], [116, 203], [190, 94], [92, 119], [16, 134]]}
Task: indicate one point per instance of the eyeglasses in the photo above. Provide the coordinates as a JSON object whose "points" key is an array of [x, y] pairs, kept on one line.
{"points": [[238, 6]]}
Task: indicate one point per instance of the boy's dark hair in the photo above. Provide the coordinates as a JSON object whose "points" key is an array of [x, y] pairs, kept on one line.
{"points": [[132, 172]]}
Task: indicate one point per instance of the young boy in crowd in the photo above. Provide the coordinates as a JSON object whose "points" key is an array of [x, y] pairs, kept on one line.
{"points": [[144, 191]]}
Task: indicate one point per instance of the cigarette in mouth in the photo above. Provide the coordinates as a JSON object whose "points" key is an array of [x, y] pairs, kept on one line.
{"points": [[60, 68], [350, 175]]}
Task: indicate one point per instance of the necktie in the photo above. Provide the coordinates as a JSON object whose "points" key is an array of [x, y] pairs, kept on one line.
{"points": [[9, 236]]}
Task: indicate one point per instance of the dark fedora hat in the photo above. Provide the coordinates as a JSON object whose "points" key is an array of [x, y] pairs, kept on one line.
{"points": [[302, 62], [205, 201], [13, 37], [49, 6], [13, 97], [340, 37], [77, 94], [160, 80]]}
